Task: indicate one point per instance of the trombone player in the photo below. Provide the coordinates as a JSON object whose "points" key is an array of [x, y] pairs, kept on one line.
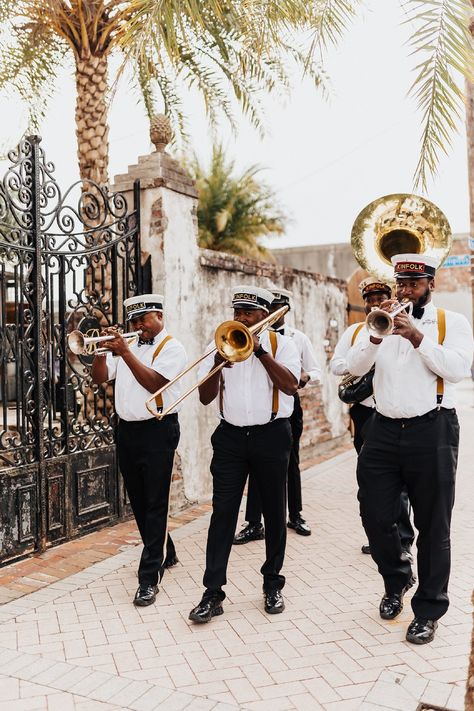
{"points": [[412, 441], [146, 445], [255, 401]]}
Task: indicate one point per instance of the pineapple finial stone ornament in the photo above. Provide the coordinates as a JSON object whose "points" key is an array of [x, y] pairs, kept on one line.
{"points": [[160, 132]]}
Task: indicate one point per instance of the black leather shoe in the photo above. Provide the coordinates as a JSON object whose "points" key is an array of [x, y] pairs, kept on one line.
{"points": [[365, 549], [392, 603], [171, 561], [250, 532], [421, 631], [209, 607], [299, 525], [145, 595], [274, 602]]}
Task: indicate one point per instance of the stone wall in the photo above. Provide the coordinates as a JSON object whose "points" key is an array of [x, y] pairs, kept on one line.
{"points": [[197, 287]]}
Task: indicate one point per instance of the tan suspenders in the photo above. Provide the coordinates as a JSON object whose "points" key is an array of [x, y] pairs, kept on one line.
{"points": [[356, 332], [441, 335], [275, 398], [158, 398]]}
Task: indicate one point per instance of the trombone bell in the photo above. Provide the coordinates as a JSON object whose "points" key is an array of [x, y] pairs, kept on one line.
{"points": [[233, 341]]}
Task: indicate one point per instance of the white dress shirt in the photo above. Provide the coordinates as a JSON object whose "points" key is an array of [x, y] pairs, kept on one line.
{"points": [[130, 396], [306, 352], [338, 364], [405, 377], [248, 389]]}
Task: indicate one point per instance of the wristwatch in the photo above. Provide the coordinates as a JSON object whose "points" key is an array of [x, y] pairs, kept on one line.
{"points": [[260, 352]]}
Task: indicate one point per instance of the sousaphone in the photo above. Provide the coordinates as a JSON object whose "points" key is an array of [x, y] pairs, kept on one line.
{"points": [[398, 224]]}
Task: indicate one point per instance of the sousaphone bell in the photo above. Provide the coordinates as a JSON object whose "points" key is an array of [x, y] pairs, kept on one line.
{"points": [[398, 224]]}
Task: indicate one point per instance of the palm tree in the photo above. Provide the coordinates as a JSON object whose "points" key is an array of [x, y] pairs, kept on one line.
{"points": [[220, 47], [169, 45], [234, 211]]}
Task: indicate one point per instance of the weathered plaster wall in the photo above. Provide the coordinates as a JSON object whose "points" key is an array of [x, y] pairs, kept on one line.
{"points": [[197, 286]]}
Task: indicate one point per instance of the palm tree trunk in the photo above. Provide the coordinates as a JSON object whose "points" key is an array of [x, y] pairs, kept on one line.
{"points": [[91, 118]]}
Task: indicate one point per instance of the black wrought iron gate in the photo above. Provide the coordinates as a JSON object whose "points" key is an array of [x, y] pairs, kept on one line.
{"points": [[67, 260]]}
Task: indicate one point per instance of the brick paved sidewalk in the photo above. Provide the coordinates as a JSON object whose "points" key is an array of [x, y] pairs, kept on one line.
{"points": [[80, 644]]}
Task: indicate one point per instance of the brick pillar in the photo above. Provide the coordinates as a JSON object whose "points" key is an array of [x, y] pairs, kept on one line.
{"points": [[168, 203]]}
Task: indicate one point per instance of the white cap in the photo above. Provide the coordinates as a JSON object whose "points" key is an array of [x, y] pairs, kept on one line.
{"points": [[253, 297], [282, 295], [414, 266], [137, 305]]}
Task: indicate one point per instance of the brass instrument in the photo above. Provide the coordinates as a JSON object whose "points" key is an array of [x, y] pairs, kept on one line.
{"points": [[398, 224], [380, 323], [234, 343], [79, 344]]}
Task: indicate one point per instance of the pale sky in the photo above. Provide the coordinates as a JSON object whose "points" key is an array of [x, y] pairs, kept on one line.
{"points": [[326, 160]]}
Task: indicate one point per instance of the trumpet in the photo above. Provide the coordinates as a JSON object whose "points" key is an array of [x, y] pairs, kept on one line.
{"points": [[380, 323], [79, 344], [234, 343]]}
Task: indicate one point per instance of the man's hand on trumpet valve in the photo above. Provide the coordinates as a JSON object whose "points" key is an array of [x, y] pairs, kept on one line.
{"points": [[388, 305], [118, 344]]}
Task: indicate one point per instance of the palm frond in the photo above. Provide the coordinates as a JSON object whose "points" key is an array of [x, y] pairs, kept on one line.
{"points": [[330, 20], [442, 38], [31, 57], [235, 210], [229, 50]]}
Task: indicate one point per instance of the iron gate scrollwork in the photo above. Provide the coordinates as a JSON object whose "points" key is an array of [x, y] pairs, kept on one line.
{"points": [[66, 260]]}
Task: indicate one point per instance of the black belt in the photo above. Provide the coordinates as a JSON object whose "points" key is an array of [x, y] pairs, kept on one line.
{"points": [[173, 417], [253, 427], [408, 421]]}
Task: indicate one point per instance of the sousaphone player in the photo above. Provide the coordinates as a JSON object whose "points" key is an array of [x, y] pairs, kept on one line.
{"points": [[412, 440]]}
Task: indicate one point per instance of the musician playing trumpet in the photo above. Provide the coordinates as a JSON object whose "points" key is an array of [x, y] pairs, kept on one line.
{"points": [[412, 441], [145, 445]]}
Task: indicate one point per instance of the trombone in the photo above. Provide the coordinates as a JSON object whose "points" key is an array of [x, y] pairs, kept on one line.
{"points": [[79, 344], [234, 343]]}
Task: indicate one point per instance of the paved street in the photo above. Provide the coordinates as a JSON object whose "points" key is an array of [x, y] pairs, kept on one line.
{"points": [[80, 644]]}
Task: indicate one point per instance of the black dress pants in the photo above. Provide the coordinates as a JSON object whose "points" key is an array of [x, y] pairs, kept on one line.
{"points": [[421, 454], [145, 453], [360, 415], [253, 511], [263, 452]]}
